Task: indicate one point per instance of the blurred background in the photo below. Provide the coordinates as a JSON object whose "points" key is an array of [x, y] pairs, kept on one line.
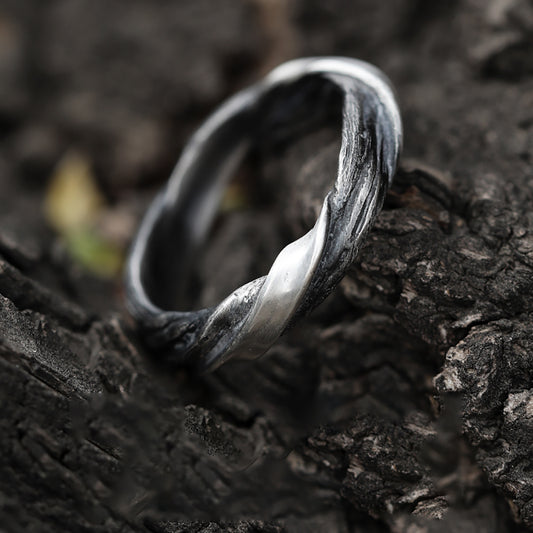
{"points": [[98, 98]]}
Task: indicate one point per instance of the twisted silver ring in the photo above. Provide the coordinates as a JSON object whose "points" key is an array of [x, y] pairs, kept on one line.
{"points": [[250, 320]]}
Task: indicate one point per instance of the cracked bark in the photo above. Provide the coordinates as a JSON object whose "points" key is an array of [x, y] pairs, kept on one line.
{"points": [[404, 403]]}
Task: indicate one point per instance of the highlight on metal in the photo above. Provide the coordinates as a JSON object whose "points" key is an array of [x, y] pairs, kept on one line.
{"points": [[250, 319]]}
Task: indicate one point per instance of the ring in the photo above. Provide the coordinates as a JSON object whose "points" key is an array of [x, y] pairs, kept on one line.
{"points": [[249, 321]]}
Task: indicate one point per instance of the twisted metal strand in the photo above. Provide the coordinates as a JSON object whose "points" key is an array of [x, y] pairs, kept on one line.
{"points": [[250, 320]]}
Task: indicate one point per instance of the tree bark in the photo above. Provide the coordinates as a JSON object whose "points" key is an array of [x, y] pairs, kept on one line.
{"points": [[403, 403]]}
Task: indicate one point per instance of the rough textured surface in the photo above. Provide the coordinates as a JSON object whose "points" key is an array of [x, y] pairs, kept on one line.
{"points": [[306, 272], [405, 403]]}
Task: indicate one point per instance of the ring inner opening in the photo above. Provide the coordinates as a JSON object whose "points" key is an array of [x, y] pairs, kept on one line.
{"points": [[185, 268]]}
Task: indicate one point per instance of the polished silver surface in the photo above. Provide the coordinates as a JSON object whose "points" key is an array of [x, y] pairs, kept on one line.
{"points": [[250, 320]]}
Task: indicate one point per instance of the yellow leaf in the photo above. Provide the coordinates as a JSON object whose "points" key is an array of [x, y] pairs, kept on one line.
{"points": [[235, 197], [73, 199]]}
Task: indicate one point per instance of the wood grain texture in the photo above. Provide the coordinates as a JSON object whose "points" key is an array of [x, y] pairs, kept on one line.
{"points": [[402, 404]]}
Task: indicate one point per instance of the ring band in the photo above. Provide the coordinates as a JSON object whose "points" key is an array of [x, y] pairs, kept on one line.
{"points": [[250, 320]]}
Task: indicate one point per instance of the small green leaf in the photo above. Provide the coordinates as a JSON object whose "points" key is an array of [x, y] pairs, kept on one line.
{"points": [[96, 254]]}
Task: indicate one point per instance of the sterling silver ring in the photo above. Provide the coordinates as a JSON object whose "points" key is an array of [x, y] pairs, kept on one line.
{"points": [[249, 321]]}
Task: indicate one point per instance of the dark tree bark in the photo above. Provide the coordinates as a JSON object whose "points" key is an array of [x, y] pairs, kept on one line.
{"points": [[404, 403]]}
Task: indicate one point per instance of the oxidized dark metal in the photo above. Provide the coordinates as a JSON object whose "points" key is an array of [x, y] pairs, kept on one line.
{"points": [[250, 320]]}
